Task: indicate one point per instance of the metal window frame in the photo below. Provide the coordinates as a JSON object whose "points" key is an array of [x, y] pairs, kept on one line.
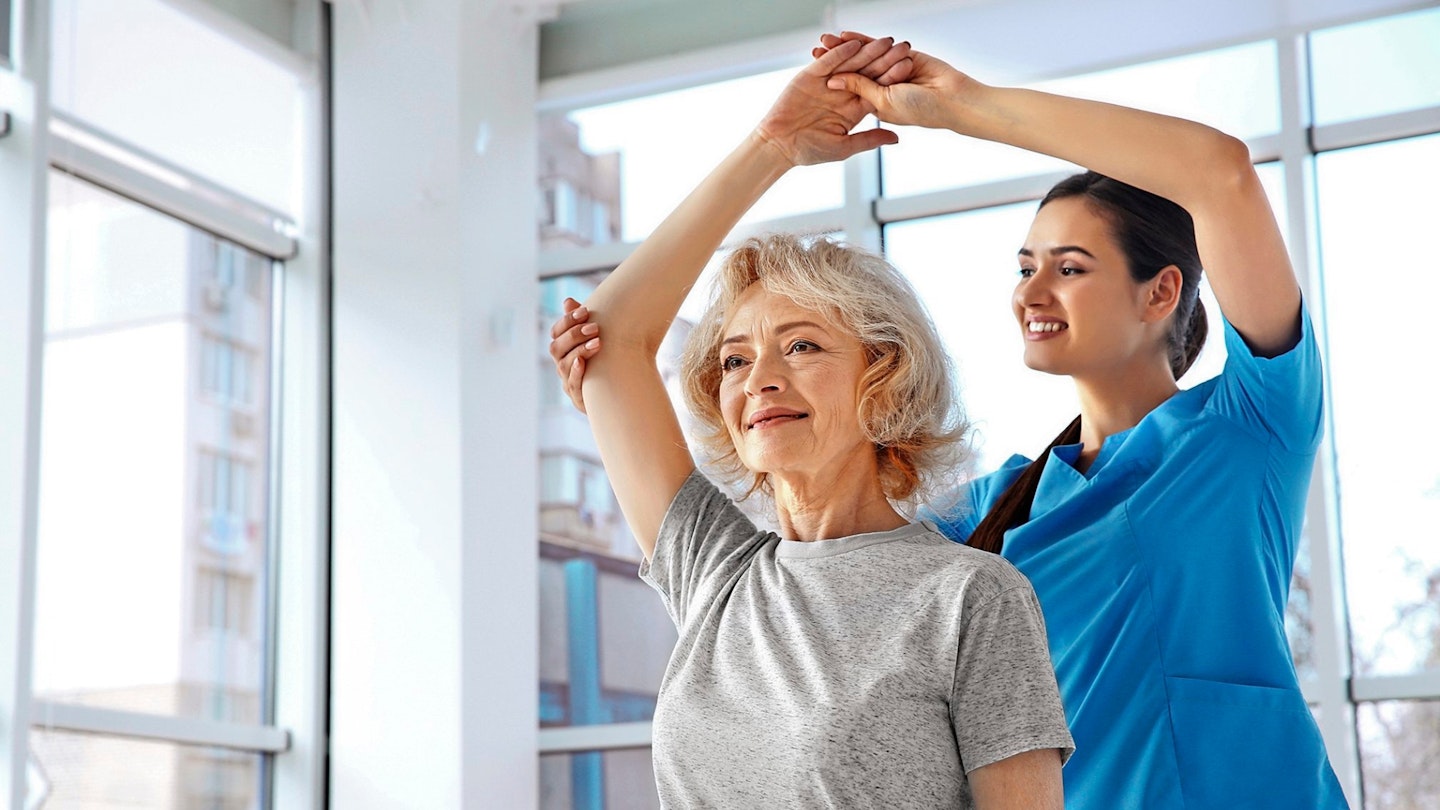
{"points": [[49, 715], [865, 211], [100, 158]]}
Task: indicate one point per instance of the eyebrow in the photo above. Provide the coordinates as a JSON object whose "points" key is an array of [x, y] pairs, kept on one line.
{"points": [[1056, 251], [780, 330]]}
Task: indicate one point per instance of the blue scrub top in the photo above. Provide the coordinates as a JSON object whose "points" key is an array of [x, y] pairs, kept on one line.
{"points": [[1163, 574]]}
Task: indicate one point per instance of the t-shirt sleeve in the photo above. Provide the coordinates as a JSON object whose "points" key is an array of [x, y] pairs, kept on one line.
{"points": [[703, 540], [1279, 397], [1005, 700]]}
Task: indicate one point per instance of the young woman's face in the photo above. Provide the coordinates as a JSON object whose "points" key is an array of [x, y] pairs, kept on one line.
{"points": [[789, 390], [1078, 310]]}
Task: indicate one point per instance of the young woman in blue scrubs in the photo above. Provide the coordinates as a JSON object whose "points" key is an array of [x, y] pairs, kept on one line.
{"points": [[1160, 528]]}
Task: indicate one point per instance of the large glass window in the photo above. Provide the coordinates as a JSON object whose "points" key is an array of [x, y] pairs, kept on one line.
{"points": [[660, 161], [149, 74], [153, 541], [1374, 201], [1375, 67], [1233, 89]]}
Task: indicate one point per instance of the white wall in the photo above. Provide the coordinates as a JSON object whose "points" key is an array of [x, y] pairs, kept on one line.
{"points": [[434, 662]]}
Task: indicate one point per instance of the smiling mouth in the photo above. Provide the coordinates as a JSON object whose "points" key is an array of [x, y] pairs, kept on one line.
{"points": [[775, 420], [1046, 326]]}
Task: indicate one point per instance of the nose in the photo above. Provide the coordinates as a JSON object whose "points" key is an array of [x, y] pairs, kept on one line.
{"points": [[767, 375], [1033, 291]]}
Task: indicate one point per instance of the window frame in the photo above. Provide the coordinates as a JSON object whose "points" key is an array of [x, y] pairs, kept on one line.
{"points": [[290, 737]]}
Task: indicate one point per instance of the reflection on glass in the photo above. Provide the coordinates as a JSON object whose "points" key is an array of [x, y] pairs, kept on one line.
{"points": [[683, 136], [1399, 746], [596, 780], [1202, 87], [154, 76], [154, 464], [1373, 200], [1376, 67], [90, 771]]}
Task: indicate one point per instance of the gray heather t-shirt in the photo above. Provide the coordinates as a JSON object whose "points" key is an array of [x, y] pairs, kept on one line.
{"points": [[868, 671]]}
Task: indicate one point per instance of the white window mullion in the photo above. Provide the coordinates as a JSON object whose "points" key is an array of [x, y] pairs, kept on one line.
{"points": [[1327, 607]]}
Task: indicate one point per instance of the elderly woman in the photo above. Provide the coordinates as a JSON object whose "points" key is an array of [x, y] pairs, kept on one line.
{"points": [[854, 658]]}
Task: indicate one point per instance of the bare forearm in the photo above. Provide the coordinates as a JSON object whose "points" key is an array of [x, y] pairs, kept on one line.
{"points": [[636, 304], [1175, 158]]}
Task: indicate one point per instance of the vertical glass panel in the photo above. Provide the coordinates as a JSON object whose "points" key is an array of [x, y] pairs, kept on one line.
{"points": [[152, 75], [661, 147], [153, 508], [92, 772], [1376, 67], [596, 780], [1374, 201], [1234, 90], [605, 637], [1399, 746]]}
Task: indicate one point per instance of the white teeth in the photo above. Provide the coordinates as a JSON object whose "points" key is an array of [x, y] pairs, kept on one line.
{"points": [[1046, 326]]}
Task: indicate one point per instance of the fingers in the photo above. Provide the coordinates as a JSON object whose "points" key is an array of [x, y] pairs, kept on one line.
{"points": [[870, 139], [872, 93], [899, 72], [835, 57], [573, 381], [892, 57], [574, 313], [571, 331], [868, 53]]}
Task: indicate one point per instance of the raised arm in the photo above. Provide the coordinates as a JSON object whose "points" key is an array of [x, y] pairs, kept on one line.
{"points": [[634, 423], [1203, 170]]}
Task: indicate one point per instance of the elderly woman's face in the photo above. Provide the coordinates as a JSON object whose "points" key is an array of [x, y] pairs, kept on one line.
{"points": [[789, 390]]}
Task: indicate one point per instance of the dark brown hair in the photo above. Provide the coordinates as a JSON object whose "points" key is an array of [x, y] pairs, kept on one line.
{"points": [[1153, 233]]}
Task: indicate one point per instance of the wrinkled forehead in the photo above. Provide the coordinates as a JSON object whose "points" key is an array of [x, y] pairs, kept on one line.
{"points": [[759, 310]]}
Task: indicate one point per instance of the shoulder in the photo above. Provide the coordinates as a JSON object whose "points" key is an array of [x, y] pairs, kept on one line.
{"points": [[981, 575]]}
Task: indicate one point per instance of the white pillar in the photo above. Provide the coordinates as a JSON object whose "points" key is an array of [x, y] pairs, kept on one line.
{"points": [[23, 200], [433, 668]]}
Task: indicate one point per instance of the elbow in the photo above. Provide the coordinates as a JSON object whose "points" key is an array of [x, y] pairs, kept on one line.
{"points": [[1230, 167]]}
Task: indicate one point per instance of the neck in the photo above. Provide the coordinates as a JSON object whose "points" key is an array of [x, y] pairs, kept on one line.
{"points": [[1114, 403], [827, 506]]}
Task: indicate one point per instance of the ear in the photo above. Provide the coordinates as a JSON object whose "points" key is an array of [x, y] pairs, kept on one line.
{"points": [[1162, 294]]}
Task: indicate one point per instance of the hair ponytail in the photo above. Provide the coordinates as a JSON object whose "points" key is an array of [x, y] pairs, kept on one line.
{"points": [[1013, 507], [1197, 328]]}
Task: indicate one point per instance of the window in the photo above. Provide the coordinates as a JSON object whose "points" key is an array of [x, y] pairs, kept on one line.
{"points": [[1370, 199], [651, 168], [197, 98], [224, 603], [1201, 87], [1376, 67], [152, 493]]}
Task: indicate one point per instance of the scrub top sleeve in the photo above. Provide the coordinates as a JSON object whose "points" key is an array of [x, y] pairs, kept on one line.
{"points": [[703, 534], [1279, 398]]}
